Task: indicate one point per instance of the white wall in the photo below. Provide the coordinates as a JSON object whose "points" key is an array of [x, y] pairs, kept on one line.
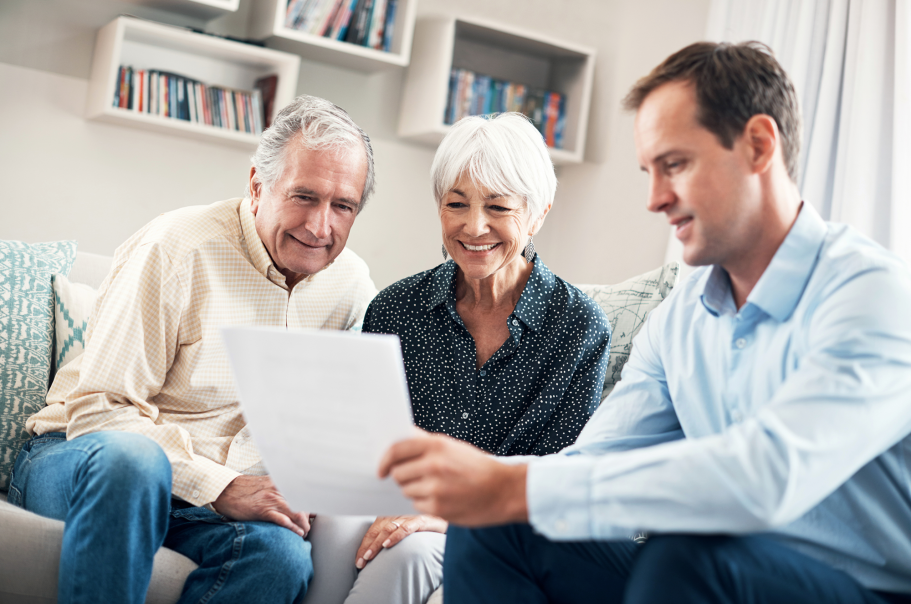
{"points": [[66, 178]]}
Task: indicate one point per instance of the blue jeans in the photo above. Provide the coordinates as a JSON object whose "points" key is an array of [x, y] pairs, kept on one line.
{"points": [[514, 564], [113, 490]]}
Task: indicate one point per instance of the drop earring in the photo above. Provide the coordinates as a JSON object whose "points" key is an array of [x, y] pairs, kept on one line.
{"points": [[529, 252], [445, 254]]}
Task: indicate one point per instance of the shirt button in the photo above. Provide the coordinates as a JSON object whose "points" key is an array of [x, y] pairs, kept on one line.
{"points": [[740, 343], [195, 494], [464, 416], [483, 372], [515, 321], [560, 525], [240, 440]]}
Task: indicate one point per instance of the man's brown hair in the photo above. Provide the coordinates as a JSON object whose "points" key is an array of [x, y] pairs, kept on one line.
{"points": [[733, 82]]}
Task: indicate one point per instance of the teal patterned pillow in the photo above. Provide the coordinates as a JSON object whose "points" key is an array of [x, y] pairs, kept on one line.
{"points": [[26, 336], [73, 304]]}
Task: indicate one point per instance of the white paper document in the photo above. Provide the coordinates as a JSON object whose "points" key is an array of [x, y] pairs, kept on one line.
{"points": [[323, 407]]}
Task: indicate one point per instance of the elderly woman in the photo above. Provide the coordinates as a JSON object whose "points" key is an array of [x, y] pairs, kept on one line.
{"points": [[498, 350]]}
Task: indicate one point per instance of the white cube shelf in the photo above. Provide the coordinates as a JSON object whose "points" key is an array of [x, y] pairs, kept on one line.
{"points": [[204, 10], [267, 22], [444, 43], [212, 60]]}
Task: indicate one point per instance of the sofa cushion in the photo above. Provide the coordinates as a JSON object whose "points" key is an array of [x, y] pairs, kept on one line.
{"points": [[73, 303], [26, 336], [626, 305], [30, 557]]}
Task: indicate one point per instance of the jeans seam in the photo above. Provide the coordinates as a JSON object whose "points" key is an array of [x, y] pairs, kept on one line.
{"points": [[227, 566]]}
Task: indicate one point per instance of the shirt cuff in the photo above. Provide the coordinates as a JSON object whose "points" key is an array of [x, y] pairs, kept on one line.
{"points": [[201, 482], [558, 492]]}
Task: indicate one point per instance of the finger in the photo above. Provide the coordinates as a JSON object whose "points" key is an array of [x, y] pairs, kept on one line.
{"points": [[402, 451], [408, 527], [370, 537], [302, 519], [282, 520]]}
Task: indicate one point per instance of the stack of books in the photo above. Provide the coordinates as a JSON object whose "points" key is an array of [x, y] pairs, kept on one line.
{"points": [[179, 97], [369, 23], [471, 93]]}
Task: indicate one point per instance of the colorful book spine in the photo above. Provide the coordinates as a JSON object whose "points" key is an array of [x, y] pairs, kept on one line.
{"points": [[174, 96], [477, 94], [369, 23]]}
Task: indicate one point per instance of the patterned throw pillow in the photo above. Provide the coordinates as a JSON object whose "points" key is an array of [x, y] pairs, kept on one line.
{"points": [[626, 305], [26, 336], [73, 303]]}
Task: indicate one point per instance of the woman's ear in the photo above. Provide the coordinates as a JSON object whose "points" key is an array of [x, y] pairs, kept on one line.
{"points": [[536, 226]]}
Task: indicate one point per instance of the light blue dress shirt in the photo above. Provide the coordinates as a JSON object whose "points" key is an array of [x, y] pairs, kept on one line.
{"points": [[789, 417]]}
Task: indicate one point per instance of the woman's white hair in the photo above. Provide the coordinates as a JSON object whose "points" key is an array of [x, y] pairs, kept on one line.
{"points": [[503, 153], [322, 126]]}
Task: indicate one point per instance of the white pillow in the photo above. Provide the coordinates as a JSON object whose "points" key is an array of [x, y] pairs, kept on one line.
{"points": [[626, 306], [73, 304]]}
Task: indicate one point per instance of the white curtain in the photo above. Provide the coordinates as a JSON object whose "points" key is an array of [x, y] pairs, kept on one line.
{"points": [[850, 61]]}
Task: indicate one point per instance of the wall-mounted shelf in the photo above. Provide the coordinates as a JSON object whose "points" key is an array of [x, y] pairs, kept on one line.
{"points": [[442, 44], [204, 10], [267, 22], [147, 45]]}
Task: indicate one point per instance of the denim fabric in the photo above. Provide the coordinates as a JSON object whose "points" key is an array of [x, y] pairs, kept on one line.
{"points": [[515, 564], [238, 561], [113, 490]]}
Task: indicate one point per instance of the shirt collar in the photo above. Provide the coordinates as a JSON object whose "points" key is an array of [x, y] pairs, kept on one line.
{"points": [[781, 285], [256, 251], [529, 309]]}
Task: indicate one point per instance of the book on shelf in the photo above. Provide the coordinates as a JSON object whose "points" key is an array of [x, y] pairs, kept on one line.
{"points": [[171, 95], [369, 23], [471, 93]]}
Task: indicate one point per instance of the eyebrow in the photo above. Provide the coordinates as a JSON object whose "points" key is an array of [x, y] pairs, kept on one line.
{"points": [[490, 197], [660, 158], [311, 192]]}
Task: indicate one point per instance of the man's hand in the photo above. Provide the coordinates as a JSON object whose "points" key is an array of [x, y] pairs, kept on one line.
{"points": [[456, 481], [256, 498], [386, 531]]}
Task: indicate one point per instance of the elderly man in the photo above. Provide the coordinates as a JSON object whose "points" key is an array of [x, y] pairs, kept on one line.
{"points": [[760, 432], [142, 442]]}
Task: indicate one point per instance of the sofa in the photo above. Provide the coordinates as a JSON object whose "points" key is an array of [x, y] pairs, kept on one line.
{"points": [[31, 544]]}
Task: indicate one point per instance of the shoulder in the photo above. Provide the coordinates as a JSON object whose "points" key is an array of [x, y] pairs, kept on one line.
{"points": [[178, 233], [855, 276], [414, 289]]}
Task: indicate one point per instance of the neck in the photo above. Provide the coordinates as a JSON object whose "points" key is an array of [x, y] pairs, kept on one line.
{"points": [[780, 208], [504, 287]]}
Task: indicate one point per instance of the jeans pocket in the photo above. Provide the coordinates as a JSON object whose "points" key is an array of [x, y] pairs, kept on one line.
{"points": [[14, 496], [197, 514]]}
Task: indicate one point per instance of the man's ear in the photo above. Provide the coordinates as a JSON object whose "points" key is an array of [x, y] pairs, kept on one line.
{"points": [[255, 190], [763, 141]]}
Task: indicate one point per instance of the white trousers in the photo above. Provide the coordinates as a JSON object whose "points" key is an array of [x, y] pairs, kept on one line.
{"points": [[404, 574]]}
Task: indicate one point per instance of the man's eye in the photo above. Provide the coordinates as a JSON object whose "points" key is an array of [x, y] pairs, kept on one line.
{"points": [[499, 209], [345, 207], [455, 205]]}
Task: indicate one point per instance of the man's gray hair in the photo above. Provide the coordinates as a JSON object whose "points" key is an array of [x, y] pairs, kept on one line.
{"points": [[504, 153], [322, 126]]}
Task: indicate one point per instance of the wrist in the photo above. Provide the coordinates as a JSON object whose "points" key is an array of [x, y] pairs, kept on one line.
{"points": [[515, 503]]}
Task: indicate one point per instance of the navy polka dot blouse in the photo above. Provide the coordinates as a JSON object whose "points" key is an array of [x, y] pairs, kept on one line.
{"points": [[533, 396]]}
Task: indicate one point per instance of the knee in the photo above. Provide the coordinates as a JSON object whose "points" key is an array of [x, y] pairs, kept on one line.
{"points": [[416, 554], [677, 564], [279, 556], [131, 459]]}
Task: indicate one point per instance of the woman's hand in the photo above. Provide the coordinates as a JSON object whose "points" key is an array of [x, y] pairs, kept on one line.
{"points": [[386, 531]]}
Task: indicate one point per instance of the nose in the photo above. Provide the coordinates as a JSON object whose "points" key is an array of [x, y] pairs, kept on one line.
{"points": [[476, 223], [318, 222], [660, 194]]}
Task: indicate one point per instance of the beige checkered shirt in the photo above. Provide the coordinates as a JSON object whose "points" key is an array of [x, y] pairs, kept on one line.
{"points": [[154, 362]]}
